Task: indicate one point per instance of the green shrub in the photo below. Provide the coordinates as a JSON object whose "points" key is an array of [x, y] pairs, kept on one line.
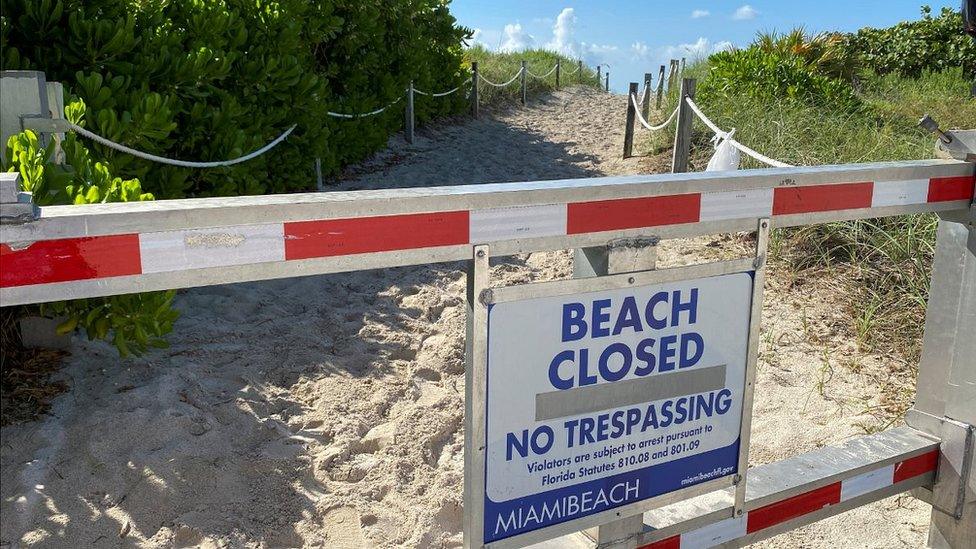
{"points": [[912, 47], [499, 67], [769, 71], [133, 322], [213, 80]]}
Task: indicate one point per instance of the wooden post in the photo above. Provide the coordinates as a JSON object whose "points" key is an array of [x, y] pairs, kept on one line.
{"points": [[672, 72], [608, 81], [523, 82], [660, 87], [629, 128], [682, 136], [681, 70], [408, 122], [557, 74], [319, 184], [598, 76], [474, 89], [646, 98], [579, 70]]}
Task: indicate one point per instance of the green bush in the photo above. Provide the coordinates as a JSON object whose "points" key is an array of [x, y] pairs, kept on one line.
{"points": [[133, 322], [769, 71], [213, 80], [499, 67], [912, 47]]}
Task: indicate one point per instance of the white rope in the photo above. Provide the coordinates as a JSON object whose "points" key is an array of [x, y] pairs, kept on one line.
{"points": [[574, 71], [182, 163], [442, 94], [533, 75], [711, 125], [490, 83], [365, 114], [645, 123]]}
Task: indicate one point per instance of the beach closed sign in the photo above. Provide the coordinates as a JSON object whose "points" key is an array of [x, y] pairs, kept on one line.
{"points": [[603, 399]]}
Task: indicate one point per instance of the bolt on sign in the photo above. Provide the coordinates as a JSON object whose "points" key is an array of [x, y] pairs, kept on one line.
{"points": [[600, 401]]}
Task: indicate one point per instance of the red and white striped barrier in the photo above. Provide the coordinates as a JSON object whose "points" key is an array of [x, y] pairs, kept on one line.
{"points": [[773, 514], [96, 257]]}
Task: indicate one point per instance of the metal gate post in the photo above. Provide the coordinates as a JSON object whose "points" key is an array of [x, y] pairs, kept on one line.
{"points": [[945, 405], [618, 256]]}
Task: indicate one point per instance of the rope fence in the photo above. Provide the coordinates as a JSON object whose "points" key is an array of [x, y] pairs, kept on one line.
{"points": [[679, 162], [181, 163], [409, 92], [727, 136], [365, 114], [490, 83]]}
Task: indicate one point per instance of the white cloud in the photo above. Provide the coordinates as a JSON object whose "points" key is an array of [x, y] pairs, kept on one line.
{"points": [[514, 38], [564, 34], [699, 49], [698, 14], [640, 50], [745, 13]]}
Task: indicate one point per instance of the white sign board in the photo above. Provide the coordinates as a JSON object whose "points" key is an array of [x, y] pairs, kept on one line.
{"points": [[606, 398]]}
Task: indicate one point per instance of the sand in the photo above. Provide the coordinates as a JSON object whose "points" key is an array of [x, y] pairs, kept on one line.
{"points": [[327, 411]]}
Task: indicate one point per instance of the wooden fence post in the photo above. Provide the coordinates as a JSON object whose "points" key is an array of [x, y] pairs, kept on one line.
{"points": [[608, 81], [681, 70], [646, 98], [557, 74], [660, 87], [523, 82], [598, 76], [672, 73], [474, 89], [682, 135], [579, 70], [629, 128], [408, 122]]}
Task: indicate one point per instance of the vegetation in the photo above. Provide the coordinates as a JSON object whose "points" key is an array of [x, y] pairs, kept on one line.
{"points": [[911, 48], [500, 67], [232, 77], [133, 322], [796, 98], [217, 79]]}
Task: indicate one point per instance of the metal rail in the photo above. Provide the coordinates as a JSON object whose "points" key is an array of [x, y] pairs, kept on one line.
{"points": [[108, 249], [787, 494]]}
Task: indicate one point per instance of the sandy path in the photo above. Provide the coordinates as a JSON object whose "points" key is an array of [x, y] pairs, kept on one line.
{"points": [[327, 411]]}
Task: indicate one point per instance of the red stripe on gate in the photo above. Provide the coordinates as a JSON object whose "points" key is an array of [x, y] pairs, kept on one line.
{"points": [[632, 213], [70, 259], [332, 237], [944, 189], [918, 465], [822, 198], [673, 542], [790, 508]]}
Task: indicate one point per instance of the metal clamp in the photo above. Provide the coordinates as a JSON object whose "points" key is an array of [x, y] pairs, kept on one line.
{"points": [[957, 452], [16, 207]]}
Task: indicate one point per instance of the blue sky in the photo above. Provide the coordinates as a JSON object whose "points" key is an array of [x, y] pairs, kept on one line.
{"points": [[635, 37]]}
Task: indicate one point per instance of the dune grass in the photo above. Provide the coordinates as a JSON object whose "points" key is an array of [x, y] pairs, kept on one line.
{"points": [[500, 67], [886, 262]]}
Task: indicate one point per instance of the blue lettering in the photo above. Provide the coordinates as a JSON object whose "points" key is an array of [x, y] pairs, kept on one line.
{"points": [[600, 316], [687, 360], [605, 371], [574, 327], [554, 378], [629, 317], [691, 306]]}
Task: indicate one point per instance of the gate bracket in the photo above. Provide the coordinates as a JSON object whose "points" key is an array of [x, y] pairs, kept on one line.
{"points": [[957, 451]]}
